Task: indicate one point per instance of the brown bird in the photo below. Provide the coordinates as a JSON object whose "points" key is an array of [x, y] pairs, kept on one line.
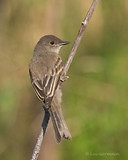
{"points": [[45, 69]]}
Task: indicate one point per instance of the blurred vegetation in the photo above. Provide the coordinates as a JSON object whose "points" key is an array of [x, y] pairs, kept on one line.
{"points": [[94, 98]]}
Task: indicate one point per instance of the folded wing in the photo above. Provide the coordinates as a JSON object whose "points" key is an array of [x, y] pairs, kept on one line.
{"points": [[45, 86]]}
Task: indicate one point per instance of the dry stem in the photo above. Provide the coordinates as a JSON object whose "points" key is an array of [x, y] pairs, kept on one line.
{"points": [[63, 75]]}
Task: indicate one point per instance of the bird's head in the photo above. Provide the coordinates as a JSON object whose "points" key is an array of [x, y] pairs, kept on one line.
{"points": [[51, 43]]}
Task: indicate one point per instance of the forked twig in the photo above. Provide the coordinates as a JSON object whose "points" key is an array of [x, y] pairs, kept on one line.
{"points": [[63, 75]]}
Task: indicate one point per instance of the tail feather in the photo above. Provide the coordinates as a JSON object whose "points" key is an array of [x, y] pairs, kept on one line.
{"points": [[60, 127], [59, 124], [58, 133]]}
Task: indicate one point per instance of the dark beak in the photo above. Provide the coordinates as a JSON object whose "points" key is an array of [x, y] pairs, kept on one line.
{"points": [[64, 43]]}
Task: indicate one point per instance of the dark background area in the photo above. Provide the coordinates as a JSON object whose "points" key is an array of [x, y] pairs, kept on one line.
{"points": [[95, 98]]}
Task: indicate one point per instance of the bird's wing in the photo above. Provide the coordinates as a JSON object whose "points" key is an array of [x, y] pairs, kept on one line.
{"points": [[46, 86]]}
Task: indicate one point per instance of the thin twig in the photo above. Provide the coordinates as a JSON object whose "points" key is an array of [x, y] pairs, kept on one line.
{"points": [[41, 135], [78, 38], [63, 75], [38, 145]]}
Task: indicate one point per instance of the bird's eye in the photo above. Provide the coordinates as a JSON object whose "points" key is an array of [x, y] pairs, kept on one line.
{"points": [[52, 42]]}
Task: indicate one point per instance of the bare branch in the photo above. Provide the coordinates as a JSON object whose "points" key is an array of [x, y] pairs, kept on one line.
{"points": [[78, 38], [36, 150], [63, 77], [38, 145]]}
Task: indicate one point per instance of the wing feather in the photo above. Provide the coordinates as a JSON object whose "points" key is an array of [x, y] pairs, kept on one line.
{"points": [[46, 86]]}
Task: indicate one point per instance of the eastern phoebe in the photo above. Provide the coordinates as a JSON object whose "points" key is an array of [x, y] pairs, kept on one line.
{"points": [[45, 69]]}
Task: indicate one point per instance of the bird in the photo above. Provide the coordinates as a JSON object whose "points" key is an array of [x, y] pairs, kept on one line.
{"points": [[45, 69]]}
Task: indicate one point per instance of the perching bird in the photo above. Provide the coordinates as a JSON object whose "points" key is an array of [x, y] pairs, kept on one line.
{"points": [[45, 69]]}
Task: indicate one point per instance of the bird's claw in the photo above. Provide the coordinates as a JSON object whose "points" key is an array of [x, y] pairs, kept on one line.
{"points": [[64, 78]]}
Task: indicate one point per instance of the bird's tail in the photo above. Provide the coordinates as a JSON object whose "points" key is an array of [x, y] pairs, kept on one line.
{"points": [[59, 124]]}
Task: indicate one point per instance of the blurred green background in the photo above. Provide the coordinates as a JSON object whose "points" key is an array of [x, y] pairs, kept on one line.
{"points": [[95, 98]]}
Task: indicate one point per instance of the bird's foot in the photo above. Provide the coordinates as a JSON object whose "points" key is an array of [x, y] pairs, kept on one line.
{"points": [[64, 78]]}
